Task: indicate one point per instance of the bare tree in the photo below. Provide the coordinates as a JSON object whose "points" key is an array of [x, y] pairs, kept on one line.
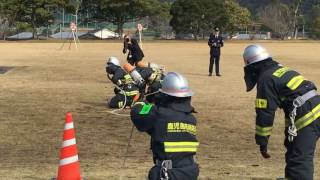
{"points": [[3, 27], [277, 16], [296, 8]]}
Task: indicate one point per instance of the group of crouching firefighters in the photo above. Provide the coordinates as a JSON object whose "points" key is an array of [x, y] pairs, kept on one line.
{"points": [[161, 106]]}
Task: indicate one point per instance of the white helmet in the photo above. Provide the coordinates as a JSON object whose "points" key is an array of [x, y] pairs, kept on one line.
{"points": [[175, 85], [113, 60], [255, 53]]}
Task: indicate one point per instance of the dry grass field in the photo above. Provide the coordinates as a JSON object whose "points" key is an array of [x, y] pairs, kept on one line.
{"points": [[46, 83]]}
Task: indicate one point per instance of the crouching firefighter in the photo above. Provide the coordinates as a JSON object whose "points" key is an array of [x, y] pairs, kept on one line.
{"points": [[150, 75], [125, 91], [279, 86], [172, 128]]}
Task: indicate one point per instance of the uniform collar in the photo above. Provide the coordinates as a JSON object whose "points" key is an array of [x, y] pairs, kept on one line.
{"points": [[181, 105], [266, 65]]}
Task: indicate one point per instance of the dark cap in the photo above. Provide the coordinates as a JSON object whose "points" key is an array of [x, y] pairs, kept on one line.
{"points": [[216, 29]]}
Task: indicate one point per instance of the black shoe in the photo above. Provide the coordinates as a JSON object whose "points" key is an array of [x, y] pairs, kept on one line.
{"points": [[218, 74], [210, 74]]}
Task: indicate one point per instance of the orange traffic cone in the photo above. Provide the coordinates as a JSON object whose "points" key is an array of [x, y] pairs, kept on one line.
{"points": [[69, 166]]}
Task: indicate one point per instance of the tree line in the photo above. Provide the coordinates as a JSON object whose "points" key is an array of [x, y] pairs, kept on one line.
{"points": [[286, 17], [196, 17]]}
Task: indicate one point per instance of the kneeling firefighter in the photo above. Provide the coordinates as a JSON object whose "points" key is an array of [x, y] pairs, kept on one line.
{"points": [[172, 128], [125, 89], [279, 86], [152, 75]]}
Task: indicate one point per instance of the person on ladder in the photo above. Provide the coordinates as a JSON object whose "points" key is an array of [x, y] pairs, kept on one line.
{"points": [[172, 128], [279, 86]]}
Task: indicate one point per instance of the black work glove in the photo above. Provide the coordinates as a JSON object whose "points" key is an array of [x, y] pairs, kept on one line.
{"points": [[264, 151], [116, 91]]}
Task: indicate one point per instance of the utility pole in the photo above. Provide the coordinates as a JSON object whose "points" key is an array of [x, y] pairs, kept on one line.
{"points": [[303, 32], [78, 5], [60, 32], [295, 19], [63, 18]]}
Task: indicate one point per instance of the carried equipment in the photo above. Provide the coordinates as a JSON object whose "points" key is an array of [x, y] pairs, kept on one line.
{"points": [[134, 74], [298, 102]]}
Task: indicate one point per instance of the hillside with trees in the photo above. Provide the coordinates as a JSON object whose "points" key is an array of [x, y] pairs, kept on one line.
{"points": [[286, 17]]}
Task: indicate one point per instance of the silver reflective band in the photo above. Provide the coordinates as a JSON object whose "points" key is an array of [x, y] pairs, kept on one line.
{"points": [[68, 126], [300, 100], [68, 160], [69, 142]]}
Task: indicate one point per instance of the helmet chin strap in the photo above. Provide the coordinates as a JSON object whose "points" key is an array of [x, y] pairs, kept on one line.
{"points": [[149, 94]]}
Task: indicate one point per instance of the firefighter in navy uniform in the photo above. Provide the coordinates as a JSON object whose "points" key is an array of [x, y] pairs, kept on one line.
{"points": [[152, 74], [172, 128], [279, 86], [125, 89], [215, 42], [153, 79], [149, 76]]}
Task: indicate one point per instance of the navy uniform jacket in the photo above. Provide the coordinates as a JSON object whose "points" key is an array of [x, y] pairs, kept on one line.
{"points": [[122, 79], [135, 52], [152, 77], [215, 43], [278, 86], [171, 125]]}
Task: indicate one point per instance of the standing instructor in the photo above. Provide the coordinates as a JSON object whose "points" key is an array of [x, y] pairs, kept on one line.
{"points": [[215, 43], [135, 53]]}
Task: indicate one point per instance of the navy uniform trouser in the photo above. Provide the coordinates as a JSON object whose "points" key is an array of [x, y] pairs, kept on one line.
{"points": [[133, 62], [118, 101], [300, 153], [184, 170], [214, 59]]}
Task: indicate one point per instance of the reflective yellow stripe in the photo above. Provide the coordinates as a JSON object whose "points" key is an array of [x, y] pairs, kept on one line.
{"points": [[131, 93], [153, 77], [127, 76], [263, 131], [181, 143], [127, 79], [295, 82], [181, 146], [280, 72], [308, 118], [261, 103], [120, 104], [180, 149]]}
